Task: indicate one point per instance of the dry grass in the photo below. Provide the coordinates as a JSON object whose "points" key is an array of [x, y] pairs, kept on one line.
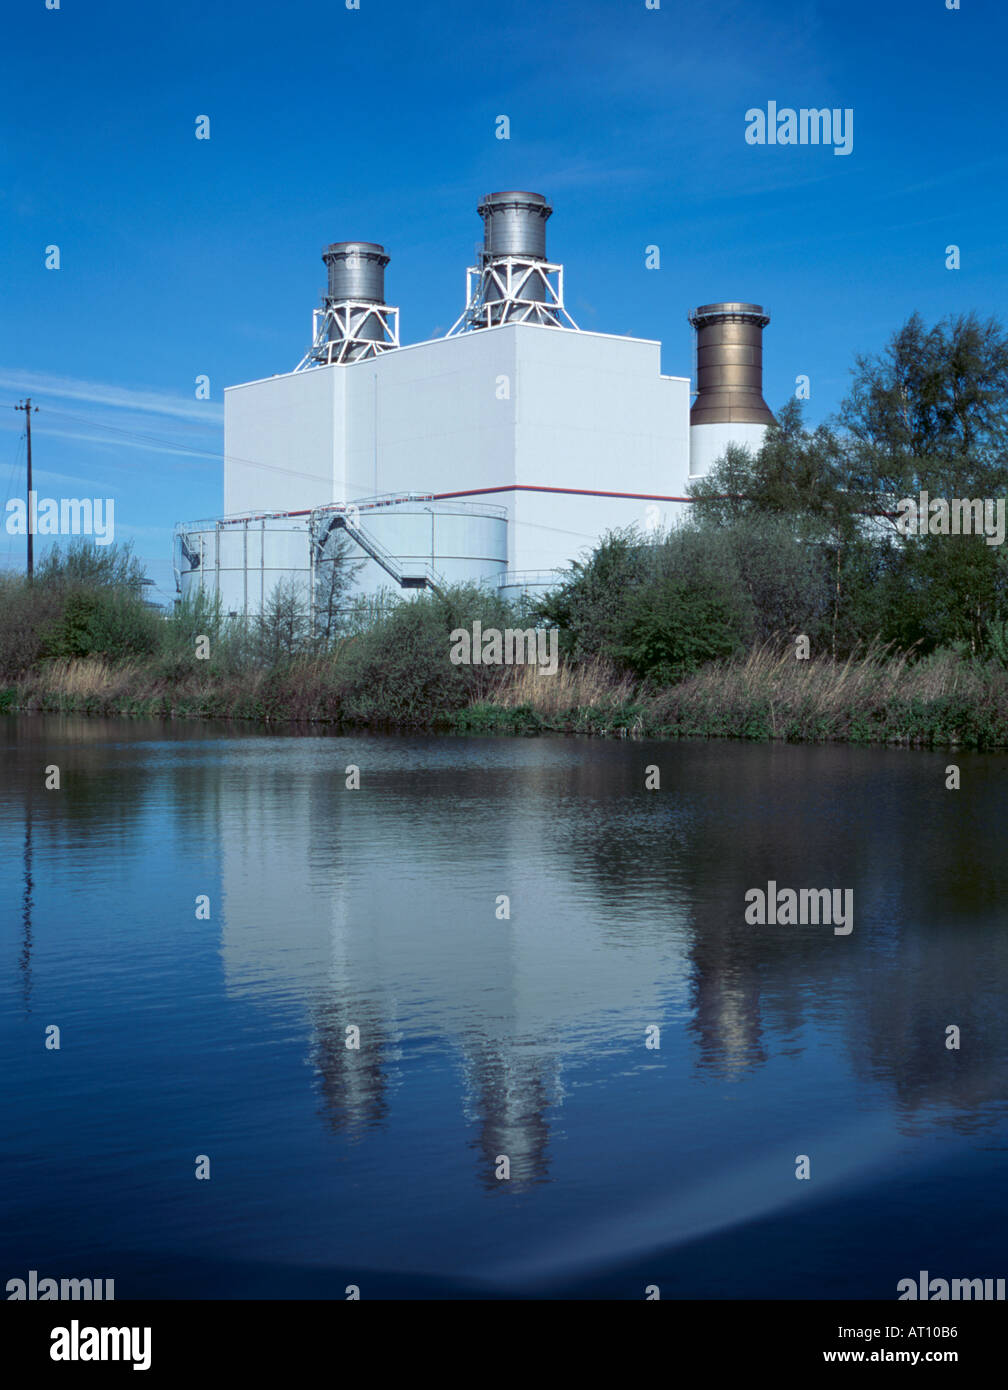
{"points": [[769, 693], [589, 686], [877, 696], [88, 678], [822, 686]]}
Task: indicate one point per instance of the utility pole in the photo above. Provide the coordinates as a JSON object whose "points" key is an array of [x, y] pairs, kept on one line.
{"points": [[26, 406]]}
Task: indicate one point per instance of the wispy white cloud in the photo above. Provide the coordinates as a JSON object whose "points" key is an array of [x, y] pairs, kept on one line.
{"points": [[68, 388], [134, 445], [42, 478]]}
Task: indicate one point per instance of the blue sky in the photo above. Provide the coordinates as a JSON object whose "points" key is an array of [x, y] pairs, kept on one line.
{"points": [[182, 257]]}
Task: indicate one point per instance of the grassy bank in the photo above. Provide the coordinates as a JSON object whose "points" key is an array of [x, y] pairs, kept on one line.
{"points": [[767, 695], [642, 653]]}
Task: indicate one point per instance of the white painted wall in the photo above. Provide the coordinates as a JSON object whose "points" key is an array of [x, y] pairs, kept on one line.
{"points": [[593, 413], [518, 404], [282, 438], [427, 418]]}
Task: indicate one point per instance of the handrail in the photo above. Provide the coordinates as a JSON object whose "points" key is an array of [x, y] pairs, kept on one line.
{"points": [[377, 552]]}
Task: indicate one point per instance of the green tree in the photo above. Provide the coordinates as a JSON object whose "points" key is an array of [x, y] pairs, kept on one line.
{"points": [[85, 564], [929, 412], [399, 670], [103, 622], [588, 606], [802, 478], [335, 573], [283, 628], [672, 627]]}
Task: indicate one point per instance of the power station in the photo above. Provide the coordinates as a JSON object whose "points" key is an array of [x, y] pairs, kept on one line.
{"points": [[494, 455]]}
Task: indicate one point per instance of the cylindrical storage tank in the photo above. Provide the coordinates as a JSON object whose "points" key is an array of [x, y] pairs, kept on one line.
{"points": [[356, 270], [519, 584], [514, 224], [729, 364], [243, 559], [463, 542]]}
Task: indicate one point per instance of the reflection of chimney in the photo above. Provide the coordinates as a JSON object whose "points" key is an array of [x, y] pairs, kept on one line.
{"points": [[727, 1022], [729, 407], [352, 1081], [510, 1097]]}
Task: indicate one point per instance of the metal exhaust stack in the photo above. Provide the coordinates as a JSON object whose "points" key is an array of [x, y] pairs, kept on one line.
{"points": [[729, 406], [354, 321], [513, 282]]}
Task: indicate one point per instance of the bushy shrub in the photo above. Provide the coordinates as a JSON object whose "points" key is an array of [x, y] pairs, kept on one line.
{"points": [[102, 622], [84, 600], [83, 564], [230, 648], [589, 606], [26, 611], [399, 671], [199, 614], [997, 641], [656, 606], [673, 627]]}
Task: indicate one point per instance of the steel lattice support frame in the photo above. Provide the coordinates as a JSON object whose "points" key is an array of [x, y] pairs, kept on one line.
{"points": [[497, 292], [338, 333]]}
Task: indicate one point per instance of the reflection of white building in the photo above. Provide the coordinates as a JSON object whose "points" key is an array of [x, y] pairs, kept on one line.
{"points": [[496, 454], [314, 920]]}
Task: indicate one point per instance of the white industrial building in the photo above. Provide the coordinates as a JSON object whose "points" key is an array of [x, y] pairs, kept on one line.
{"points": [[495, 454]]}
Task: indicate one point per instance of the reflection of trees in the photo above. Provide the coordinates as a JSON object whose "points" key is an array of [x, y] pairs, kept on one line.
{"points": [[943, 975], [666, 873], [112, 797], [112, 775], [928, 872]]}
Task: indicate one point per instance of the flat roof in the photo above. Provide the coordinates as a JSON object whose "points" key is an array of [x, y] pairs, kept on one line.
{"points": [[494, 328]]}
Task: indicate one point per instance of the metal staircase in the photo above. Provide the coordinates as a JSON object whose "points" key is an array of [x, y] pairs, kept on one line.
{"points": [[412, 575]]}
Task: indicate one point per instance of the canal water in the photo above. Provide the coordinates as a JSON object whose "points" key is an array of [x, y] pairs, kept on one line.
{"points": [[494, 1023]]}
